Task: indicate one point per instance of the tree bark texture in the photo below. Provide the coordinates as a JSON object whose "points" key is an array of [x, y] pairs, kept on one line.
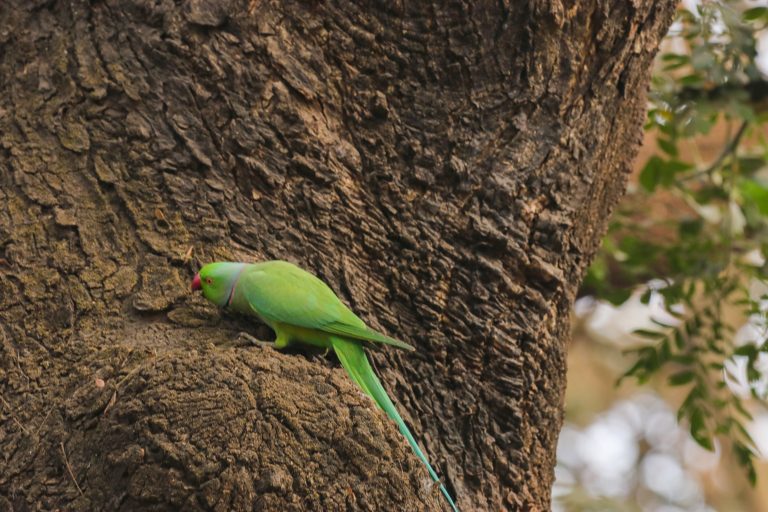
{"points": [[447, 168]]}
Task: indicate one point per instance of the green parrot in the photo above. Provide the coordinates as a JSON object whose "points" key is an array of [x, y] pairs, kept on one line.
{"points": [[300, 307]]}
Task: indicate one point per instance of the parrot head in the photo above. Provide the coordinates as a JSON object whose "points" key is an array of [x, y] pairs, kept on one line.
{"points": [[217, 281]]}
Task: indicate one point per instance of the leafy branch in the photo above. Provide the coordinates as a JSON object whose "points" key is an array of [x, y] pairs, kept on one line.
{"points": [[712, 253]]}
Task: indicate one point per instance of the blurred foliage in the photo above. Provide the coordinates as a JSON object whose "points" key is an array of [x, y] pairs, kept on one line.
{"points": [[707, 257]]}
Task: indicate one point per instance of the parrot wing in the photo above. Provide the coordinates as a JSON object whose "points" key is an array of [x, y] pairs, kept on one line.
{"points": [[280, 292], [365, 334]]}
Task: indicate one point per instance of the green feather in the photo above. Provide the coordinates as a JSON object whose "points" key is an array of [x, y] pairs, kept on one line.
{"points": [[365, 334], [353, 359], [282, 293], [300, 307]]}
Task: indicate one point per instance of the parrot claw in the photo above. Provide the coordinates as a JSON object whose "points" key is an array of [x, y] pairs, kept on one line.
{"points": [[321, 358], [244, 339]]}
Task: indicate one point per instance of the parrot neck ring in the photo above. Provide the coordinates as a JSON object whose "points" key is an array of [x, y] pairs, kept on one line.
{"points": [[234, 285]]}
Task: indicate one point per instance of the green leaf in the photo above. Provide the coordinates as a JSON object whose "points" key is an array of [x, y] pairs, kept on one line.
{"points": [[617, 296], [703, 121], [691, 227], [667, 146], [748, 350], [693, 326], [743, 110], [740, 407], [684, 359], [679, 340], [676, 166], [708, 193], [689, 403], [746, 435], [756, 193], [692, 81], [699, 430], [744, 456], [651, 173], [658, 171], [675, 60], [703, 440], [756, 13], [681, 378], [748, 165], [654, 335], [670, 169]]}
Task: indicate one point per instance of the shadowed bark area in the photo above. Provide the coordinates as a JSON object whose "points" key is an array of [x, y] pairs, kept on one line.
{"points": [[447, 169]]}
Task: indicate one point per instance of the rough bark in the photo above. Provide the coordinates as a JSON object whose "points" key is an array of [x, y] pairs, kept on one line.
{"points": [[447, 169]]}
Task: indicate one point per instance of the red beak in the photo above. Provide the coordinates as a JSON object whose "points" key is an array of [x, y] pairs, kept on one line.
{"points": [[196, 283]]}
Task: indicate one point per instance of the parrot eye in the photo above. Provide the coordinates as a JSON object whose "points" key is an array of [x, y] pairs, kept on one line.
{"points": [[208, 280]]}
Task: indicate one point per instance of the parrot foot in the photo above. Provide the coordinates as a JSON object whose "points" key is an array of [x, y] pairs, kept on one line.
{"points": [[244, 339], [320, 358]]}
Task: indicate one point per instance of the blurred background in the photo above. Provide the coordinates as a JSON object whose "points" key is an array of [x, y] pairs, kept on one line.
{"points": [[668, 364]]}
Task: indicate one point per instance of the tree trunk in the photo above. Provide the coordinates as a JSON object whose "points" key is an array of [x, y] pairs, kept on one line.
{"points": [[447, 169]]}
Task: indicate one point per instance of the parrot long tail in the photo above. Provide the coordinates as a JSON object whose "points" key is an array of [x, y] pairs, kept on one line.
{"points": [[353, 358]]}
